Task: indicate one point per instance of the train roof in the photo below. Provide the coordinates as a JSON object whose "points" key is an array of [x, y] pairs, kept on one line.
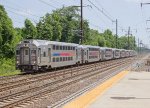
{"points": [[46, 42], [90, 46], [105, 48]]}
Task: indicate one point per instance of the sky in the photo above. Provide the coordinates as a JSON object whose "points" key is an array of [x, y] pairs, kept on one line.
{"points": [[129, 13]]}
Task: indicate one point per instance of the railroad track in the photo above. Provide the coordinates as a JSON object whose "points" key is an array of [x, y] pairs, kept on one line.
{"points": [[53, 98], [49, 86], [28, 85], [12, 83], [64, 101], [22, 78]]}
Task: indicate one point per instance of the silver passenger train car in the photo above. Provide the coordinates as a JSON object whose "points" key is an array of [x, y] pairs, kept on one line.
{"points": [[37, 55]]}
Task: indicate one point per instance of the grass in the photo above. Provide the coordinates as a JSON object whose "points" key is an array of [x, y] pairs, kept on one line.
{"points": [[7, 67]]}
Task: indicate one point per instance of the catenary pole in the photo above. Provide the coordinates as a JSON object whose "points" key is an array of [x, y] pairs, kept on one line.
{"points": [[81, 23]]}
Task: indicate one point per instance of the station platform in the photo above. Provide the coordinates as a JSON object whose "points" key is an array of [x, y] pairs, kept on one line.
{"points": [[133, 91], [129, 89]]}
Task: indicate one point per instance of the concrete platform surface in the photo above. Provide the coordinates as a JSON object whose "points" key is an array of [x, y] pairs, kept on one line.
{"points": [[133, 91]]}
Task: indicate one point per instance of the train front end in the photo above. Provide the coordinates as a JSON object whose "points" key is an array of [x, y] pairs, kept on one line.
{"points": [[26, 56]]}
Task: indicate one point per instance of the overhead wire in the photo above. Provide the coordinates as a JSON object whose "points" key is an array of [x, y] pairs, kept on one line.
{"points": [[107, 16], [35, 21], [25, 12], [44, 2], [104, 9]]}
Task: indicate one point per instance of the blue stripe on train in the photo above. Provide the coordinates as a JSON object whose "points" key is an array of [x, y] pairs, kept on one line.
{"points": [[56, 54]]}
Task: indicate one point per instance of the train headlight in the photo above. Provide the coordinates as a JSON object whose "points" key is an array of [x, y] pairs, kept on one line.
{"points": [[17, 62]]}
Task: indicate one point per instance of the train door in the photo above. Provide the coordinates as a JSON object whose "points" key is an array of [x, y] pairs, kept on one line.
{"points": [[39, 55], [44, 56], [76, 54], [25, 55], [113, 53], [82, 55], [49, 54], [100, 57], [87, 55]]}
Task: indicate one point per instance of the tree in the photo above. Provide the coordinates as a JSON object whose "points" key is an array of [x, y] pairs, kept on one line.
{"points": [[29, 31], [7, 34], [101, 41], [44, 28], [110, 38]]}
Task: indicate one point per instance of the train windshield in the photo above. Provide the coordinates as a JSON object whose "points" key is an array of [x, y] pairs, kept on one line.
{"points": [[33, 52], [17, 52]]}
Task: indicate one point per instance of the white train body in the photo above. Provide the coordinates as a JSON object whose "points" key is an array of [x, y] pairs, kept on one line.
{"points": [[42, 54], [107, 53]]}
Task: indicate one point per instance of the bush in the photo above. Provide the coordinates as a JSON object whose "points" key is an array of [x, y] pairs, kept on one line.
{"points": [[7, 67]]}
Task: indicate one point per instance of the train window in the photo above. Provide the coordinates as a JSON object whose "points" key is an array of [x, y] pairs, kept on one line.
{"points": [[17, 52], [26, 52], [71, 58], [68, 47], [63, 58], [26, 41], [60, 47], [57, 47], [39, 52], [54, 47], [44, 54], [49, 51], [33, 52], [60, 58], [53, 59], [57, 59], [73, 48], [66, 59], [63, 47]]}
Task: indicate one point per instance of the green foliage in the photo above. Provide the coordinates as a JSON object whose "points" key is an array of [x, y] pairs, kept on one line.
{"points": [[60, 25], [8, 35], [110, 38], [123, 42], [29, 31], [7, 67]]}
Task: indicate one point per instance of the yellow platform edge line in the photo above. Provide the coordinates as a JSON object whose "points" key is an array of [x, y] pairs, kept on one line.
{"points": [[86, 99]]}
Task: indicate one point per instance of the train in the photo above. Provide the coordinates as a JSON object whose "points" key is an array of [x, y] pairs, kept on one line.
{"points": [[35, 55]]}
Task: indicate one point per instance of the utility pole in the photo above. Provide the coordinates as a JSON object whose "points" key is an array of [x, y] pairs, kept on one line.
{"points": [[128, 38], [138, 45], [144, 4], [81, 26], [134, 43], [116, 33]]}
